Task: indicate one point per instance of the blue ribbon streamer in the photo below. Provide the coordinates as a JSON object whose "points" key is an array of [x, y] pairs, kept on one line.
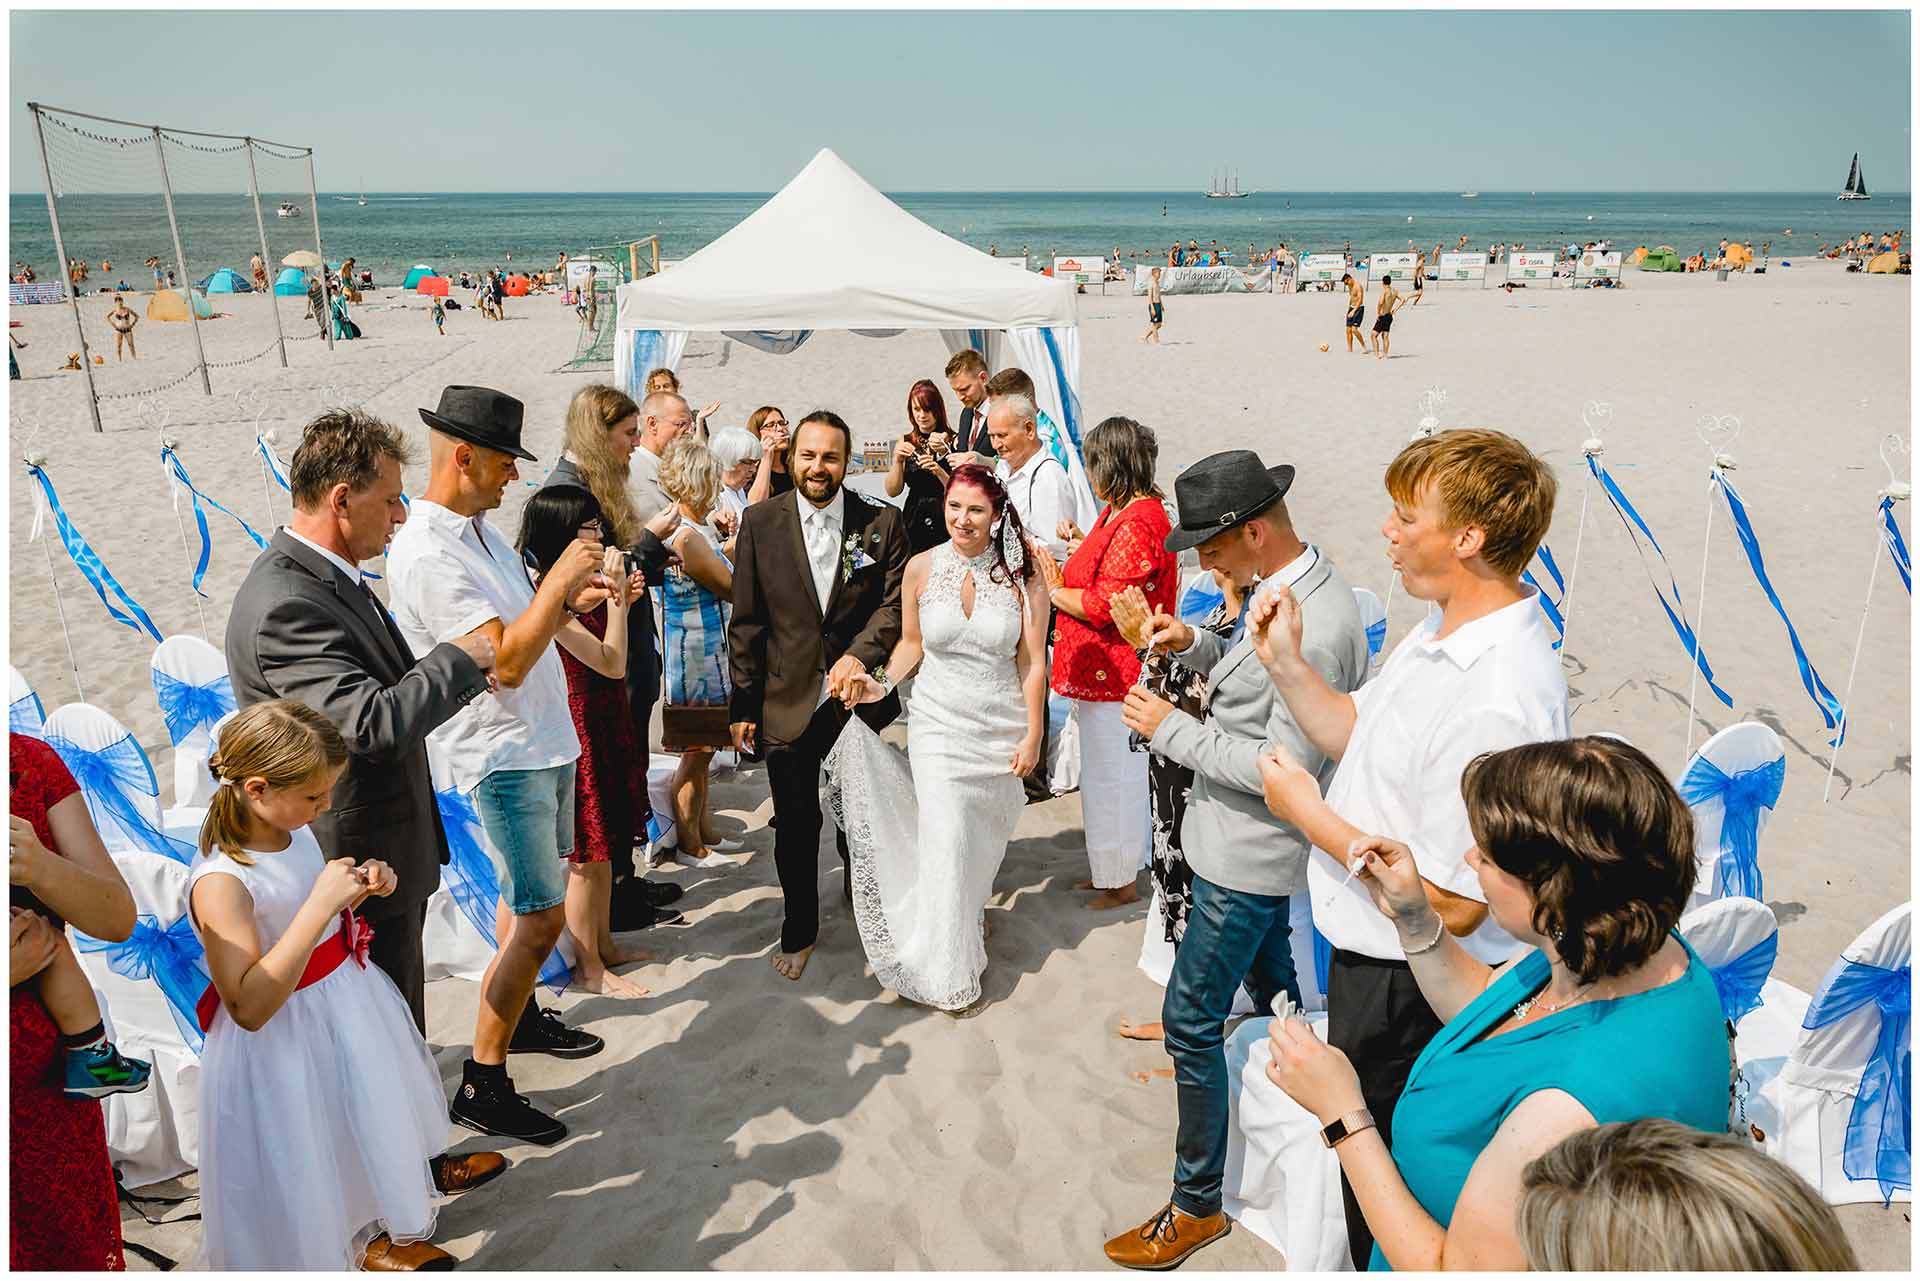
{"points": [[1322, 958], [1069, 402], [171, 958], [89, 564], [1739, 981], [1742, 796], [25, 715], [1376, 637], [474, 883], [1676, 609], [172, 460], [107, 778], [186, 706], [1809, 678], [273, 464], [1896, 545], [1879, 1142]]}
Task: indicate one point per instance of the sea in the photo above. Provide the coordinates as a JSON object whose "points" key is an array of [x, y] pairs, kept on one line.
{"points": [[393, 231]]}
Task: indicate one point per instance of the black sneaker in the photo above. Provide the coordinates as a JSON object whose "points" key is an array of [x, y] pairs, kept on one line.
{"points": [[494, 1107], [660, 894], [542, 1032], [634, 909]]}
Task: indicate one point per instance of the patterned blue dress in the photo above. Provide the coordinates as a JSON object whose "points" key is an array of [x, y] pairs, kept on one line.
{"points": [[694, 637]]}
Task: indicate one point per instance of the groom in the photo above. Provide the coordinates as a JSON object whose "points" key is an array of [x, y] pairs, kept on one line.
{"points": [[816, 601]]}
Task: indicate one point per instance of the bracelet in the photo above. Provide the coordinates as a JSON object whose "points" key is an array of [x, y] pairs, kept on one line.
{"points": [[1430, 944], [1345, 1127], [883, 680]]}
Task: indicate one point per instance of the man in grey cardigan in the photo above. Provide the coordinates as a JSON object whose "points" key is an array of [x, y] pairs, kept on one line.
{"points": [[1245, 862]]}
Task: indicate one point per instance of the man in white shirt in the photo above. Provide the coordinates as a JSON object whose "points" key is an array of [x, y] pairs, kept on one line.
{"points": [[1470, 508], [664, 418], [967, 376], [512, 751], [1036, 481]]}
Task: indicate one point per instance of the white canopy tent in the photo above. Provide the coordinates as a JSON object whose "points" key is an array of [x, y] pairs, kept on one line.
{"points": [[831, 252]]}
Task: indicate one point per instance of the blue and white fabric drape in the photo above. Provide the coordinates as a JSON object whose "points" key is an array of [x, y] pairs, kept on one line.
{"points": [[177, 473], [84, 557], [474, 881], [637, 352], [187, 707], [1740, 980], [171, 957], [110, 778], [1896, 544], [1742, 795]]}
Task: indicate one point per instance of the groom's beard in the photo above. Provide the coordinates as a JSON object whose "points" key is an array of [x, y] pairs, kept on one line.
{"points": [[820, 487]]}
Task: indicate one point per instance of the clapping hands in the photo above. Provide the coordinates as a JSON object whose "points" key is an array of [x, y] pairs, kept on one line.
{"points": [[1275, 644]]}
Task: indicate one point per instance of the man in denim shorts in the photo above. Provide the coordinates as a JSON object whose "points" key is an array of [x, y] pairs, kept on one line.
{"points": [[512, 750]]}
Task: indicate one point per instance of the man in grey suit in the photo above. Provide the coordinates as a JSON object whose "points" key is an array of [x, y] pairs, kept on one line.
{"points": [[1245, 862]]}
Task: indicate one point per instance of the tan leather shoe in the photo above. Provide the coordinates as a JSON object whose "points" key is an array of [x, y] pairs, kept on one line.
{"points": [[453, 1174], [417, 1256], [1165, 1240]]}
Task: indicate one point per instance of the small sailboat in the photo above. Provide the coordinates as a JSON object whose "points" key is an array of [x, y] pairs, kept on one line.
{"points": [[1856, 188], [1469, 195], [363, 193], [287, 209]]}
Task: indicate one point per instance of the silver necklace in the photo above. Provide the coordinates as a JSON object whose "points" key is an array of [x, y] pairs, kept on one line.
{"points": [[1525, 1007]]}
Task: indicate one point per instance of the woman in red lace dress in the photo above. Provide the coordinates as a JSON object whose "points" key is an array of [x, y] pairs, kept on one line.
{"points": [[65, 1213], [1094, 665]]}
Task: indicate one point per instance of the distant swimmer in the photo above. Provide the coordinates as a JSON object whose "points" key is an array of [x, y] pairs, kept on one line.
{"points": [[1356, 311], [1163, 211], [1383, 318]]}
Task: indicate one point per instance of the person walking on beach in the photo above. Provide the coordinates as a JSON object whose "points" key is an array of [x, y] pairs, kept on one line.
{"points": [[1156, 313], [122, 319], [439, 317], [1383, 317], [1419, 278], [1356, 311]]}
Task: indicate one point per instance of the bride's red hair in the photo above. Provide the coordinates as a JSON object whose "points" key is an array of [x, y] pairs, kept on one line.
{"points": [[984, 480]]}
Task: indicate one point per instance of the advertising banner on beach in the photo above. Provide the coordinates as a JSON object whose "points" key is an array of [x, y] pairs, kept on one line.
{"points": [[1593, 265], [1317, 267], [1081, 271], [1463, 267], [1399, 266], [1531, 265], [605, 274], [21, 294], [1205, 280]]}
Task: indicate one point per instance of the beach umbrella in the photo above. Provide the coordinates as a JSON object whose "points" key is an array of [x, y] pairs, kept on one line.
{"points": [[432, 286], [301, 258], [517, 286]]}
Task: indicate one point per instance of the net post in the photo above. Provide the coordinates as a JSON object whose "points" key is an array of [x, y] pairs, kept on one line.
{"points": [[180, 254], [326, 299], [266, 257], [66, 277]]}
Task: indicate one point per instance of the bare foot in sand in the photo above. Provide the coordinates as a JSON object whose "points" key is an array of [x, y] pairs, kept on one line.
{"points": [[1142, 1031], [792, 964], [612, 955], [1152, 1074], [607, 983], [1106, 900]]}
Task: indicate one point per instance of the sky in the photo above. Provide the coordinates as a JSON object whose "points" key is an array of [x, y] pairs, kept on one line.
{"points": [[1004, 101]]}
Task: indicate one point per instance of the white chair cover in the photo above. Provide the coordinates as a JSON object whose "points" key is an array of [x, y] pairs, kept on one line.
{"points": [[1742, 765], [25, 715], [1738, 938], [1373, 617], [190, 681], [661, 833], [1829, 1094], [153, 1135], [1281, 1183], [116, 776]]}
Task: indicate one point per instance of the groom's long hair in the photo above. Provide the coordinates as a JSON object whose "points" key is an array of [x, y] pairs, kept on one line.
{"points": [[986, 482]]}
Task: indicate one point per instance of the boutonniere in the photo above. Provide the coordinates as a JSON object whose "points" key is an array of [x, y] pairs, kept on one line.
{"points": [[852, 557]]}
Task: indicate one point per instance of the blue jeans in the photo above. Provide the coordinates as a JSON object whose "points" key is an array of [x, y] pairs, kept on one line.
{"points": [[1231, 937], [528, 818]]}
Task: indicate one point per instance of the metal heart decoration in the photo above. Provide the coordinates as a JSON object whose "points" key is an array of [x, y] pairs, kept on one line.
{"points": [[1597, 416], [1431, 400], [156, 415], [1895, 456], [1717, 431]]}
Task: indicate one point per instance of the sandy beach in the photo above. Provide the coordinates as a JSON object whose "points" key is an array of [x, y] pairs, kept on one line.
{"points": [[740, 1121]]}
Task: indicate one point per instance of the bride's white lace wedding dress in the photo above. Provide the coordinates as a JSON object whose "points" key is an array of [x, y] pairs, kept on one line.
{"points": [[926, 832]]}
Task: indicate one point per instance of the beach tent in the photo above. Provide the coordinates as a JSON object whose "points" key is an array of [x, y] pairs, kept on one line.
{"points": [[169, 305], [1662, 260], [291, 283], [1638, 254], [226, 281], [1738, 255], [829, 251], [1885, 264], [517, 286], [414, 277]]}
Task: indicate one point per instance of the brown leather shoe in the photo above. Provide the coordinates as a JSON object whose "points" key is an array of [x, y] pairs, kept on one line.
{"points": [[1165, 1240], [453, 1174], [417, 1256]]}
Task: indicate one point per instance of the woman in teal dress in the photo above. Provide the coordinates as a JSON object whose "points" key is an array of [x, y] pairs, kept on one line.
{"points": [[1585, 853]]}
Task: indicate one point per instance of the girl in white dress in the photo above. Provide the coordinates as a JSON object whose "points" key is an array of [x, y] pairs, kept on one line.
{"points": [[320, 1105], [926, 838]]}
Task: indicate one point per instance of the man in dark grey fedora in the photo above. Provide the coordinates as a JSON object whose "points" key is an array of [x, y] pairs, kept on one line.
{"points": [[1245, 862]]}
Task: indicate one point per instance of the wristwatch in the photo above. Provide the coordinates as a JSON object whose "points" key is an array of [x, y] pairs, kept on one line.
{"points": [[1345, 1127]]}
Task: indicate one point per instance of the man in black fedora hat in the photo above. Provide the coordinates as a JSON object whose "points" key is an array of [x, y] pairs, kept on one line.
{"points": [[513, 750], [1246, 863]]}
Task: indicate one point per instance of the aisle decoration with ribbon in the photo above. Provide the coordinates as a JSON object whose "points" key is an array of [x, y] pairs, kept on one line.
{"points": [[1548, 605], [106, 777], [1879, 1144], [177, 472], [84, 558], [475, 885], [186, 707], [1739, 980], [1896, 545], [1742, 795], [272, 464], [172, 958]]}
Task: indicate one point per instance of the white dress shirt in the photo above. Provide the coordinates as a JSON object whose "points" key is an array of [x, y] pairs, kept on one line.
{"points": [[446, 575], [1436, 704], [820, 529], [352, 571], [1043, 494]]}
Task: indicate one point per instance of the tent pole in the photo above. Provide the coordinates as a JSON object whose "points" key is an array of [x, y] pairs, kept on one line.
{"points": [[73, 298], [186, 274], [326, 300], [266, 260]]}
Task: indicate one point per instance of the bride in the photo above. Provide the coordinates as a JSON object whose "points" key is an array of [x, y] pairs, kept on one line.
{"points": [[926, 832]]}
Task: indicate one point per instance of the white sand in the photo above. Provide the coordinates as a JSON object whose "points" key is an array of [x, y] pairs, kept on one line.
{"points": [[758, 1124]]}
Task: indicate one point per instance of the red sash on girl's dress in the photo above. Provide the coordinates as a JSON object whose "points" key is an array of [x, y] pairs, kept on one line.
{"points": [[350, 940]]}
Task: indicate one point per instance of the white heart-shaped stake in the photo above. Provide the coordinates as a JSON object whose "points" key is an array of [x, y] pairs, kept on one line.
{"points": [[1717, 431], [1597, 416], [156, 414], [1893, 446]]}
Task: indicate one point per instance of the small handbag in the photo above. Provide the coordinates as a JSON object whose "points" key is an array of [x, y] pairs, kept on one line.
{"points": [[688, 727]]}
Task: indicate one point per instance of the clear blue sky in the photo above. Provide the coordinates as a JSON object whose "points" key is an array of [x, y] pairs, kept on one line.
{"points": [[553, 101]]}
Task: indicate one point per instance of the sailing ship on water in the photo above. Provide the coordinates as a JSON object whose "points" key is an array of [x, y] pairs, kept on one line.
{"points": [[1220, 189], [1856, 188]]}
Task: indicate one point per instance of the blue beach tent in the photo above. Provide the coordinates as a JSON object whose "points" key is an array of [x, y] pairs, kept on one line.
{"points": [[418, 274], [291, 283], [226, 281]]}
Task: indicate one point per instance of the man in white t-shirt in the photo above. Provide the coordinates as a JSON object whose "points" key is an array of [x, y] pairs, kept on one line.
{"points": [[512, 751], [1470, 508], [1037, 483]]}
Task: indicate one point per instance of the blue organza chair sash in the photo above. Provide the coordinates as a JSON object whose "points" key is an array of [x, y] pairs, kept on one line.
{"points": [[1879, 1143], [107, 777], [475, 884], [186, 706], [171, 958], [26, 716], [1739, 980], [1742, 795]]}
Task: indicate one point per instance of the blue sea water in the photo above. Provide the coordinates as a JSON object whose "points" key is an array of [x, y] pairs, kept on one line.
{"points": [[476, 231]]}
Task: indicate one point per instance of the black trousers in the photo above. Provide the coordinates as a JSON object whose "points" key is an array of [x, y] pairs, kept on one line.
{"points": [[793, 776], [643, 691], [1376, 1015], [398, 950]]}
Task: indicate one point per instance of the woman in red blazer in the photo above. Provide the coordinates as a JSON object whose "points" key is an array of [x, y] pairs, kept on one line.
{"points": [[1094, 665]]}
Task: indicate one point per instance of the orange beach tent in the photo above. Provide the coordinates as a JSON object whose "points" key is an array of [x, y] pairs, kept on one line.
{"points": [[1884, 264]]}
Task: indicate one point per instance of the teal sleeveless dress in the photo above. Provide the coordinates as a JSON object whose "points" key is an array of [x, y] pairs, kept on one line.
{"points": [[1660, 1053]]}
